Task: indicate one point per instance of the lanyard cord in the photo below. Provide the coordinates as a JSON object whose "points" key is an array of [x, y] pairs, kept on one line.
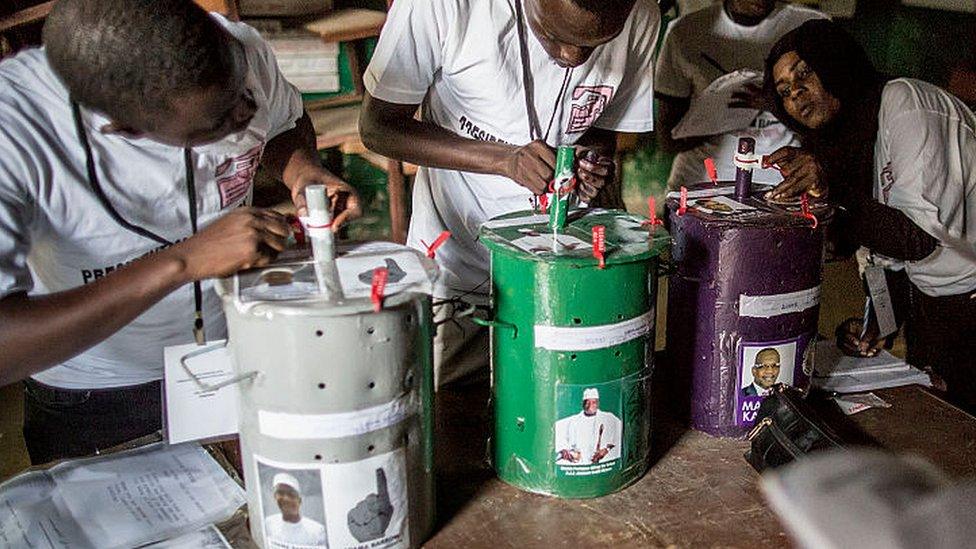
{"points": [[191, 194], [535, 130]]}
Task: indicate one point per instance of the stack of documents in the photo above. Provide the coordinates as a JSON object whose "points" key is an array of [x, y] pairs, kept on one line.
{"points": [[148, 495], [837, 372], [309, 63]]}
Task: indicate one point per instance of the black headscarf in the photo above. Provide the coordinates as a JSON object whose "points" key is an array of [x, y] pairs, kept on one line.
{"points": [[845, 146]]}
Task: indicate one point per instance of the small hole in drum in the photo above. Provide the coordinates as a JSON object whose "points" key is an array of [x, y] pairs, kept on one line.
{"points": [[372, 384], [371, 448], [572, 357], [370, 330], [318, 333], [321, 385], [577, 321], [318, 457], [616, 353]]}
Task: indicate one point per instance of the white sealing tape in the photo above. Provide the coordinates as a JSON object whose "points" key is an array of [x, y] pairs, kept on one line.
{"points": [[768, 306], [289, 426], [588, 338]]}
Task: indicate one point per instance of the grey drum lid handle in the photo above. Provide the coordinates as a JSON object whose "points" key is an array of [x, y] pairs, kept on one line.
{"points": [[211, 386]]}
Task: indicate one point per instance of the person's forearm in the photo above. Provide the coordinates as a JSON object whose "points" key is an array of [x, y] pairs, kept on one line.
{"points": [[890, 232], [404, 138], [41, 331]]}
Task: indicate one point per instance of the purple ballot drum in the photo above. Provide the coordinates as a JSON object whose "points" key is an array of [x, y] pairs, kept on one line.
{"points": [[743, 302]]}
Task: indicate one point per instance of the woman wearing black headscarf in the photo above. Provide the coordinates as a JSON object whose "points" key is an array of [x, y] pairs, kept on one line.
{"points": [[899, 157]]}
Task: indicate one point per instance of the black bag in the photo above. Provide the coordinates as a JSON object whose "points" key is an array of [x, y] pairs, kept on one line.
{"points": [[786, 428]]}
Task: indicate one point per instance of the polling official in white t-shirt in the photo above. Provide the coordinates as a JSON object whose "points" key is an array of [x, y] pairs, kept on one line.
{"points": [[128, 146], [702, 46], [500, 84], [461, 59]]}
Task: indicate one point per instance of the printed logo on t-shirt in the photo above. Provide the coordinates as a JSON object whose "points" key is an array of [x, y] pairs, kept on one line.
{"points": [[234, 176], [588, 104], [887, 181]]}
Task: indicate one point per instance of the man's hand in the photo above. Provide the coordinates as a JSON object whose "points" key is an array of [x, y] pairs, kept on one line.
{"points": [[801, 171], [849, 338], [244, 238], [572, 456], [593, 172], [531, 166], [751, 96], [343, 199], [599, 454]]}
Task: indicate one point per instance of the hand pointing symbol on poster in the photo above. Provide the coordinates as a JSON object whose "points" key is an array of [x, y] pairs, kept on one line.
{"points": [[369, 519], [396, 274]]}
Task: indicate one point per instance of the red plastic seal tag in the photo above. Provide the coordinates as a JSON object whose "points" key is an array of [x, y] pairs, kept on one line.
{"points": [[297, 229], [380, 274], [683, 201], [711, 170], [440, 240], [599, 244], [652, 209], [805, 211], [544, 202]]}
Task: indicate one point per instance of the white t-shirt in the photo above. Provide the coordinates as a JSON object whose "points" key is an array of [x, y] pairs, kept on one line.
{"points": [[282, 534], [582, 433], [684, 70], [56, 235], [460, 58], [925, 167]]}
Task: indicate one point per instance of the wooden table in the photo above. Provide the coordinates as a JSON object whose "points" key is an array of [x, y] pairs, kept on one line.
{"points": [[698, 492]]}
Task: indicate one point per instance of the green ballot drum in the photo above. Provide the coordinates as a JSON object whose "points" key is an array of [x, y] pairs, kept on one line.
{"points": [[336, 408], [572, 343]]}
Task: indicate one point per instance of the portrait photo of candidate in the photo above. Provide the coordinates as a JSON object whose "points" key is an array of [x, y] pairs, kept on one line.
{"points": [[764, 365], [589, 436], [293, 510]]}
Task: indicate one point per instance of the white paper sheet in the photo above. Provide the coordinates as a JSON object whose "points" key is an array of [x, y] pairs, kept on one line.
{"points": [[193, 413], [124, 500], [709, 112], [719, 205], [550, 244], [837, 372], [356, 272]]}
